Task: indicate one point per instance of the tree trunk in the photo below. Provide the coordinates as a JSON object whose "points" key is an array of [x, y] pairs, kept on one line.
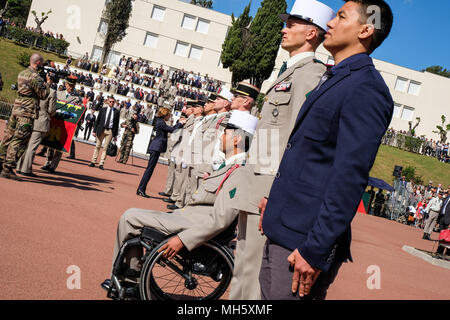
{"points": [[106, 50]]}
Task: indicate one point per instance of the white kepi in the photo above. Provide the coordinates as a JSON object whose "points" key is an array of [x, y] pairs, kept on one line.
{"points": [[225, 93], [243, 120], [311, 11]]}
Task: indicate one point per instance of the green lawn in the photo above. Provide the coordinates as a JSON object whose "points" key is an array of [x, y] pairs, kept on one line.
{"points": [[427, 167], [10, 67]]}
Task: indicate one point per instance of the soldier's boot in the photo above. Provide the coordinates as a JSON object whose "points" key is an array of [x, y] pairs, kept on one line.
{"points": [[9, 173]]}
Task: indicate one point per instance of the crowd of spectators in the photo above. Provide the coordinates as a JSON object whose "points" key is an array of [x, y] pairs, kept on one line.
{"points": [[415, 198], [149, 87], [429, 147]]}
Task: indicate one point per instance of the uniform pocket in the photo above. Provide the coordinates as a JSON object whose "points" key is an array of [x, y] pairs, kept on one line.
{"points": [[318, 123]]}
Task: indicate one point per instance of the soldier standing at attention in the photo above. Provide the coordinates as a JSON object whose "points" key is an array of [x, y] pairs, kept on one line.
{"points": [[131, 129], [297, 78], [31, 89]]}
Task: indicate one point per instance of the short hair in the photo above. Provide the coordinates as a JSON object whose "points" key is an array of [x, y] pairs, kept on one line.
{"points": [[246, 138], [162, 112], [386, 20]]}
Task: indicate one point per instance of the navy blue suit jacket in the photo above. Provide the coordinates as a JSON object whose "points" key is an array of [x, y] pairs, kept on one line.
{"points": [[159, 143], [325, 168]]}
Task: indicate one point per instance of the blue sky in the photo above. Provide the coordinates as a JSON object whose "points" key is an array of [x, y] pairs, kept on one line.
{"points": [[417, 39]]}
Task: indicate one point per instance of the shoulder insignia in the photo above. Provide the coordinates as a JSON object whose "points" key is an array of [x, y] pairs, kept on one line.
{"points": [[232, 193], [230, 171]]}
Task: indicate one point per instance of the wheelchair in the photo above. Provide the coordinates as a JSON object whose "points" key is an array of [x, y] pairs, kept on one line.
{"points": [[201, 274]]}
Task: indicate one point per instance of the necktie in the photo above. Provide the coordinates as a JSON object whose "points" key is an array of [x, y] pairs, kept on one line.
{"points": [[327, 75], [108, 119], [283, 68]]}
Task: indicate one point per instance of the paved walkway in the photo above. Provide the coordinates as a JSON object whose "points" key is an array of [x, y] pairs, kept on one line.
{"points": [[69, 218]]}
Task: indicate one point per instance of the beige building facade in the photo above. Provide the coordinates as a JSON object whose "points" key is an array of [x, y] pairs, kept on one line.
{"points": [[179, 35], [171, 33]]}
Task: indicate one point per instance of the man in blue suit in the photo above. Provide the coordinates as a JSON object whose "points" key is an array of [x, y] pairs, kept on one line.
{"points": [[326, 165]]}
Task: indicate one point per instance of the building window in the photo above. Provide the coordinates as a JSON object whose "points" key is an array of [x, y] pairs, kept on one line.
{"points": [[202, 26], [397, 110], [158, 13], [96, 54], [400, 84], [151, 40], [103, 27], [188, 22], [414, 88], [330, 61], [407, 113], [113, 58], [181, 49], [196, 53]]}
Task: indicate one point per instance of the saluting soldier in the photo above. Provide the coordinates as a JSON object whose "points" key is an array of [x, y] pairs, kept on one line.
{"points": [[131, 130], [185, 149], [31, 89], [177, 157], [297, 78]]}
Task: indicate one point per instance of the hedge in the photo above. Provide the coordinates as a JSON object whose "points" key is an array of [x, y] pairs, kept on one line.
{"points": [[30, 38]]}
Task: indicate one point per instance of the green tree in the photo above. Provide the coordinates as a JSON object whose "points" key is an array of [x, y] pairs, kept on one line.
{"points": [[412, 129], [235, 43], [203, 3], [117, 15], [16, 10], [443, 129], [41, 20], [258, 58], [438, 70]]}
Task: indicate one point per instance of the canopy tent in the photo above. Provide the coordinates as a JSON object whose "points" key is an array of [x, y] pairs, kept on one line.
{"points": [[381, 184], [367, 199]]}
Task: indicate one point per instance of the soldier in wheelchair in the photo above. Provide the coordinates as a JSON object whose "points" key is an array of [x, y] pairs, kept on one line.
{"points": [[184, 254]]}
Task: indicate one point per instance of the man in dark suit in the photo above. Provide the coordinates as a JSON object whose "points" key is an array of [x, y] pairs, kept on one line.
{"points": [[106, 128], [325, 168], [90, 121]]}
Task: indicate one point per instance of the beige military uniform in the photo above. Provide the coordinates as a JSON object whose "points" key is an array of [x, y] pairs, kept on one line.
{"points": [[208, 214], [178, 193], [277, 119], [174, 139], [41, 126]]}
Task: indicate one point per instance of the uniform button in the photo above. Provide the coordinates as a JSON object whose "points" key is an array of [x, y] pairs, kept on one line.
{"points": [[277, 175], [289, 146]]}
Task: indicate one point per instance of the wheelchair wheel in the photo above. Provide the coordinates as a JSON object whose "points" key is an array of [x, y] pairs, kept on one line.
{"points": [[202, 274]]}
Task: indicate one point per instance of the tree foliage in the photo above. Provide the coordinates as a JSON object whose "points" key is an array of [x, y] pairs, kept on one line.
{"points": [[235, 43], [260, 45], [203, 3], [439, 70], [41, 20], [16, 10], [443, 129], [117, 15]]}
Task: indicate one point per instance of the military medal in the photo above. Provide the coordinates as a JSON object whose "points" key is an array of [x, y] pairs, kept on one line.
{"points": [[275, 112]]}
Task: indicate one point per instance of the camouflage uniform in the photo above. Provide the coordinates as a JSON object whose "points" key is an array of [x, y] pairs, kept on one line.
{"points": [[127, 141], [31, 89]]}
